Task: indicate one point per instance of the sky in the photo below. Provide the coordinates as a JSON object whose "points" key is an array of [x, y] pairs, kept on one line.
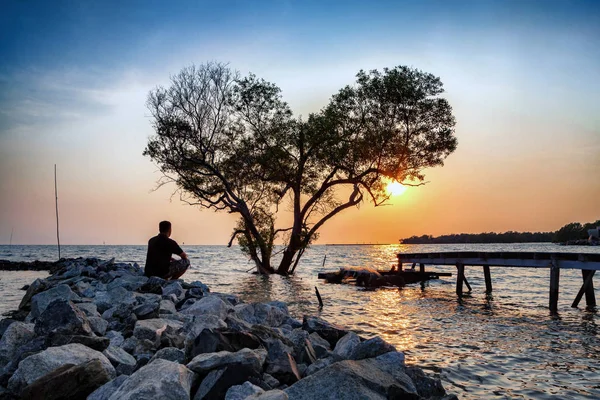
{"points": [[523, 78]]}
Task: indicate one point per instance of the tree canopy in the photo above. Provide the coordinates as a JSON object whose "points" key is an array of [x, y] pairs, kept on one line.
{"points": [[231, 143]]}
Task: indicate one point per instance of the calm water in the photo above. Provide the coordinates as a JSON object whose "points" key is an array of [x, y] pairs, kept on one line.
{"points": [[508, 346]]}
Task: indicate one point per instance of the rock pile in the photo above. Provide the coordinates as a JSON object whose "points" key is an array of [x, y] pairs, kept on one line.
{"points": [[102, 330]]}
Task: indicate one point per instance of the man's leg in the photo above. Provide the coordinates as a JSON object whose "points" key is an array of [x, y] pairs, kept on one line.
{"points": [[177, 268]]}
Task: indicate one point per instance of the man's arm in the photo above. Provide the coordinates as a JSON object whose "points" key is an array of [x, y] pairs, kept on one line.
{"points": [[183, 255]]}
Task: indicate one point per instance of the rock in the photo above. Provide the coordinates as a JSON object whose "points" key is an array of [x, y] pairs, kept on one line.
{"points": [[270, 380], [268, 314], [243, 391], [123, 362], [173, 288], [152, 329], [105, 391], [345, 346], [166, 307], [197, 285], [350, 380], [68, 382], [153, 285], [371, 348], [146, 310], [41, 364], [36, 287], [298, 337], [62, 317], [281, 363], [210, 305], [208, 341], [318, 365], [98, 325], [40, 301], [97, 343], [203, 363], [4, 324], [15, 336], [90, 309], [160, 379], [218, 381], [128, 282], [330, 332], [245, 312], [171, 354], [426, 386], [116, 338]]}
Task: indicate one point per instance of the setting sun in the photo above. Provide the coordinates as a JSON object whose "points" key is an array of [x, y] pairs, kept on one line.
{"points": [[395, 188]]}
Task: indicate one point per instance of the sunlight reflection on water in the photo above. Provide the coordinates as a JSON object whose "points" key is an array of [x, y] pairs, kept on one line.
{"points": [[506, 346]]}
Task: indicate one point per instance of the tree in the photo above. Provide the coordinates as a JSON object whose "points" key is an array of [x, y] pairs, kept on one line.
{"points": [[231, 143]]}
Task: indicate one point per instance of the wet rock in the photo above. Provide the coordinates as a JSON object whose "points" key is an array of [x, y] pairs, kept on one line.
{"points": [[41, 301], [41, 364], [330, 332], [346, 345], [123, 362], [160, 379], [426, 386], [203, 363], [68, 382], [105, 391], [210, 305], [349, 380], [371, 348], [16, 335], [170, 354], [62, 317]]}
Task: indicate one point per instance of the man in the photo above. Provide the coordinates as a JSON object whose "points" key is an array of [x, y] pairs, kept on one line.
{"points": [[158, 260]]}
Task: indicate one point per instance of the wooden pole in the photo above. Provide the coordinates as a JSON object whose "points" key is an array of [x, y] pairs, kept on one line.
{"points": [[324, 258], [56, 198], [587, 288], [422, 268], [554, 284], [11, 235], [319, 297], [488, 278], [460, 278]]}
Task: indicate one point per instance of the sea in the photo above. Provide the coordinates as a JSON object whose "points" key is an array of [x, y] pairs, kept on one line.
{"points": [[505, 346]]}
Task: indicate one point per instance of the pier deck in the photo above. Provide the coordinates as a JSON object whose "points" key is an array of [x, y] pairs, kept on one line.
{"points": [[588, 264]]}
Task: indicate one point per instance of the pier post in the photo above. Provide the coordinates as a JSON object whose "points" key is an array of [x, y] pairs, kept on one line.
{"points": [[422, 268], [460, 277], [488, 278], [554, 280], [587, 288]]}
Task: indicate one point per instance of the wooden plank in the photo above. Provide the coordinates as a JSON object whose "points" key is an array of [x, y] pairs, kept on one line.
{"points": [[554, 283], [587, 288], [488, 278], [460, 277]]}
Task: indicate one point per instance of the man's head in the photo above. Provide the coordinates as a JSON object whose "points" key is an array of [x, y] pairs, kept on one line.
{"points": [[164, 227]]}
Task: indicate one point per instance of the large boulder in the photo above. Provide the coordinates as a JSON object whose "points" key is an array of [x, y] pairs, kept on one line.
{"points": [[123, 362], [152, 329], [204, 363], [169, 353], [280, 362], [62, 317], [345, 346], [69, 382], [36, 287], [40, 301], [43, 363], [129, 282], [16, 335], [352, 380], [330, 332], [371, 348], [105, 391], [160, 379], [209, 305]]}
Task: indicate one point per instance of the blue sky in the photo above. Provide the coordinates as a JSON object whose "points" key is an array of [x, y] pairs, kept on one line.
{"points": [[523, 78]]}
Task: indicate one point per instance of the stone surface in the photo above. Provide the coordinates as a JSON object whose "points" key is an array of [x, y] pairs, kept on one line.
{"points": [[40, 301], [36, 286], [160, 379], [69, 382], [62, 317], [204, 363], [98, 343], [90, 309], [105, 391], [345, 346], [426, 386], [243, 391], [166, 307], [371, 348], [173, 288], [171, 354], [349, 380], [318, 365], [330, 332], [116, 338], [218, 381], [15, 336], [280, 362], [152, 329], [210, 305], [98, 325], [123, 362], [40, 364]]}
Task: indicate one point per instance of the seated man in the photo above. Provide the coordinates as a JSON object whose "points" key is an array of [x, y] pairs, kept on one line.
{"points": [[158, 260]]}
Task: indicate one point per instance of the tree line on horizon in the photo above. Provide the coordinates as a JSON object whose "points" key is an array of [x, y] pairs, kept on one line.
{"points": [[569, 232]]}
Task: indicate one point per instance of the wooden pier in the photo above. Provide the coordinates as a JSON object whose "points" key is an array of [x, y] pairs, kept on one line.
{"points": [[554, 262]]}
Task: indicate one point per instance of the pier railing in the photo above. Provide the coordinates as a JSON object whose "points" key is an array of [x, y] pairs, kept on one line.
{"points": [[587, 263]]}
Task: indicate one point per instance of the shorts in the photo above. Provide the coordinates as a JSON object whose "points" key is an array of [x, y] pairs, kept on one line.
{"points": [[178, 267]]}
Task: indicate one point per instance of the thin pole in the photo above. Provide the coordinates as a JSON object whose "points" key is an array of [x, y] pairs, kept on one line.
{"points": [[56, 198], [11, 235]]}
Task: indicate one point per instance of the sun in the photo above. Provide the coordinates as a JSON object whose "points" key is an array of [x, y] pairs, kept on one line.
{"points": [[395, 188]]}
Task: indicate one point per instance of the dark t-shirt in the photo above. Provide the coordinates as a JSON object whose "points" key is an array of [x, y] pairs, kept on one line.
{"points": [[160, 249]]}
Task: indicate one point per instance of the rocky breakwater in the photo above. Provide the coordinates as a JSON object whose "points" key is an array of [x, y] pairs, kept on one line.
{"points": [[102, 330]]}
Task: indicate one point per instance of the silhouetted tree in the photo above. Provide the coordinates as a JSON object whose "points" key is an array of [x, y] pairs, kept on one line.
{"points": [[231, 143]]}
